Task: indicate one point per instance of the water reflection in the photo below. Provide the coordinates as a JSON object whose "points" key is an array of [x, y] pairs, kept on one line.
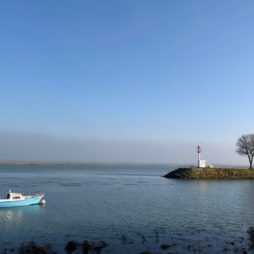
{"points": [[202, 185], [11, 219], [105, 204]]}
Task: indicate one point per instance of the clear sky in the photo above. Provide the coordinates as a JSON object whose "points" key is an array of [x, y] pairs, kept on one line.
{"points": [[135, 80]]}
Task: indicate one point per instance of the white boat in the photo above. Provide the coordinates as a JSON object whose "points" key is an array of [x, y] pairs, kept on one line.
{"points": [[17, 199]]}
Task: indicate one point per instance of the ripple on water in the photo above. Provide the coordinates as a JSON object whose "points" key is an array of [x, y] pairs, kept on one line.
{"points": [[146, 208]]}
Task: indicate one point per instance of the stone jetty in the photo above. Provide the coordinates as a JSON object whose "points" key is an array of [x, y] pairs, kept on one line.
{"points": [[211, 173]]}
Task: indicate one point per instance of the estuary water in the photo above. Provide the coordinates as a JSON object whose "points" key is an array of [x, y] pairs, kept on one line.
{"points": [[130, 207]]}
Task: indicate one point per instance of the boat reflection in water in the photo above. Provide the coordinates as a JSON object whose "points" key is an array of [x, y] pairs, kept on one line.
{"points": [[13, 219]]}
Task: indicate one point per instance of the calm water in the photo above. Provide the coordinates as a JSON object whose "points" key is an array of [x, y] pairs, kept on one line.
{"points": [[130, 207]]}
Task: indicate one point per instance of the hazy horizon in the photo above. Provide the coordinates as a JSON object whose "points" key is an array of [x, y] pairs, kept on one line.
{"points": [[20, 146]]}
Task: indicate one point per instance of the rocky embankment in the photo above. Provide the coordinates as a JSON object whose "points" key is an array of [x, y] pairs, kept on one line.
{"points": [[211, 173], [177, 244]]}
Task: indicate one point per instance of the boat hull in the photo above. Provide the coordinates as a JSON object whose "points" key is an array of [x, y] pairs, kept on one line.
{"points": [[30, 201]]}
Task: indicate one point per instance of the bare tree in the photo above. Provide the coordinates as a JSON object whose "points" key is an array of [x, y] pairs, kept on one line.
{"points": [[245, 146]]}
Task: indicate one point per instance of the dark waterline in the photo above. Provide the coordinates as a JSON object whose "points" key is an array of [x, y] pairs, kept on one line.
{"points": [[131, 207]]}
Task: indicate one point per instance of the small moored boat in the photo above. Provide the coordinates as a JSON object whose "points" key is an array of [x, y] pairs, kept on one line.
{"points": [[17, 199]]}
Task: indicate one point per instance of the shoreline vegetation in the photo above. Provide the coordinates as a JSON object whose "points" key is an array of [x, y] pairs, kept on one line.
{"points": [[193, 173]]}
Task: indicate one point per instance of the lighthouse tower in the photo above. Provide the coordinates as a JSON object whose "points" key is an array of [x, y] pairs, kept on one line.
{"points": [[199, 152], [201, 163]]}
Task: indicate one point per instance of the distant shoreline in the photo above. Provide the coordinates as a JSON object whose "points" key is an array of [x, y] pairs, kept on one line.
{"points": [[38, 163], [9, 163], [116, 163], [50, 164]]}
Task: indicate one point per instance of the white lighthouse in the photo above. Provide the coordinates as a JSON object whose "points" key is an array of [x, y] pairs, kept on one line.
{"points": [[201, 163]]}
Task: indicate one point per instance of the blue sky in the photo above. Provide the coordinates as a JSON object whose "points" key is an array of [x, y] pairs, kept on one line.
{"points": [[166, 73]]}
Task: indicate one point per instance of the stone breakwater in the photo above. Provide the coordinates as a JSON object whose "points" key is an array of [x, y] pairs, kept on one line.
{"points": [[211, 173]]}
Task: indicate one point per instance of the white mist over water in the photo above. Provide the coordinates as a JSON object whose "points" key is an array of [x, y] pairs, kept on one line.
{"points": [[21, 146]]}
